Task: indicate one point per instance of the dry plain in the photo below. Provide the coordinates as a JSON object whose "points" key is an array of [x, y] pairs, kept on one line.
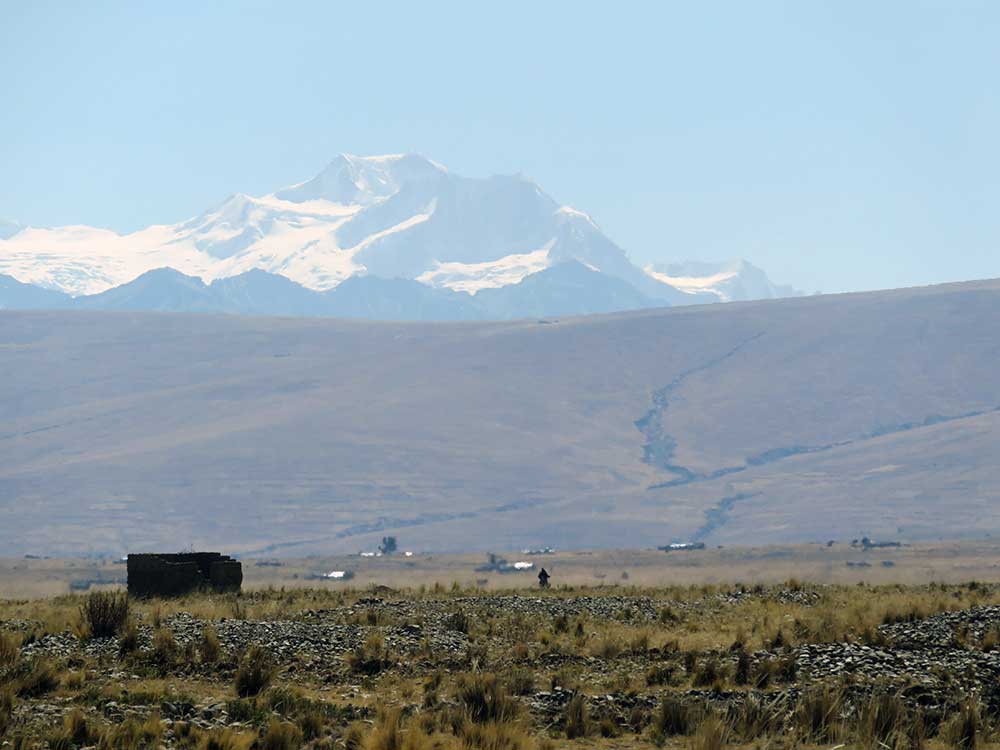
{"points": [[821, 563], [633, 649]]}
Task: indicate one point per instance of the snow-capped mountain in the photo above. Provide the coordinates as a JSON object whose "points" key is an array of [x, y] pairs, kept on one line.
{"points": [[392, 217], [730, 281]]}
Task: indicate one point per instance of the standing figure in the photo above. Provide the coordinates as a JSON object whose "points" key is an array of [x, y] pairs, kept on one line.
{"points": [[543, 578]]}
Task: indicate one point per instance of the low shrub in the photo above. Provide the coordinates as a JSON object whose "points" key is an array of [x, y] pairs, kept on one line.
{"points": [[104, 614]]}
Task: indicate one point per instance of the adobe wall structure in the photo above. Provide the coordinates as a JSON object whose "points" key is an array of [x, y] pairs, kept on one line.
{"points": [[175, 574]]}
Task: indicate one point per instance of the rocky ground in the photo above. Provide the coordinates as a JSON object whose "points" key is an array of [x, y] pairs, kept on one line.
{"points": [[621, 661]]}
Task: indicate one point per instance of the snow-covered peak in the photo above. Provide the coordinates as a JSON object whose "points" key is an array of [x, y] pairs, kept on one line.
{"points": [[363, 180], [568, 213], [400, 216], [729, 281]]}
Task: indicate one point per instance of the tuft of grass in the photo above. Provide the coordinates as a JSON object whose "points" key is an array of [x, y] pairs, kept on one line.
{"points": [[659, 674], [40, 678], [495, 736], [606, 648], [256, 671], [667, 616], [710, 673], [6, 710], [246, 711], [779, 640], [817, 714], [354, 736], [756, 717], [521, 681], [10, 651], [74, 680], [671, 718], [311, 716], [712, 734], [387, 733], [371, 657], [312, 722], [457, 621], [209, 648], [577, 717], [227, 739], [281, 735], [484, 699], [964, 730], [608, 728], [882, 721], [743, 667], [103, 614], [164, 652], [133, 734], [990, 640], [128, 638], [639, 644], [75, 732]]}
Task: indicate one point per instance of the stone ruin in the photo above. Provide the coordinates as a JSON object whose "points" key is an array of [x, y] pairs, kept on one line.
{"points": [[180, 573]]}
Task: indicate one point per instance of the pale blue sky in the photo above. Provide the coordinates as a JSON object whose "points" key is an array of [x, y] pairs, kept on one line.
{"points": [[840, 145]]}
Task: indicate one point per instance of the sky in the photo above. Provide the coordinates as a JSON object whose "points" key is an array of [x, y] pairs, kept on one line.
{"points": [[839, 145]]}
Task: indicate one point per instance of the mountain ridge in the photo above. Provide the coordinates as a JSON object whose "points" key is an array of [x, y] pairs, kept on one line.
{"points": [[398, 216], [566, 288]]}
